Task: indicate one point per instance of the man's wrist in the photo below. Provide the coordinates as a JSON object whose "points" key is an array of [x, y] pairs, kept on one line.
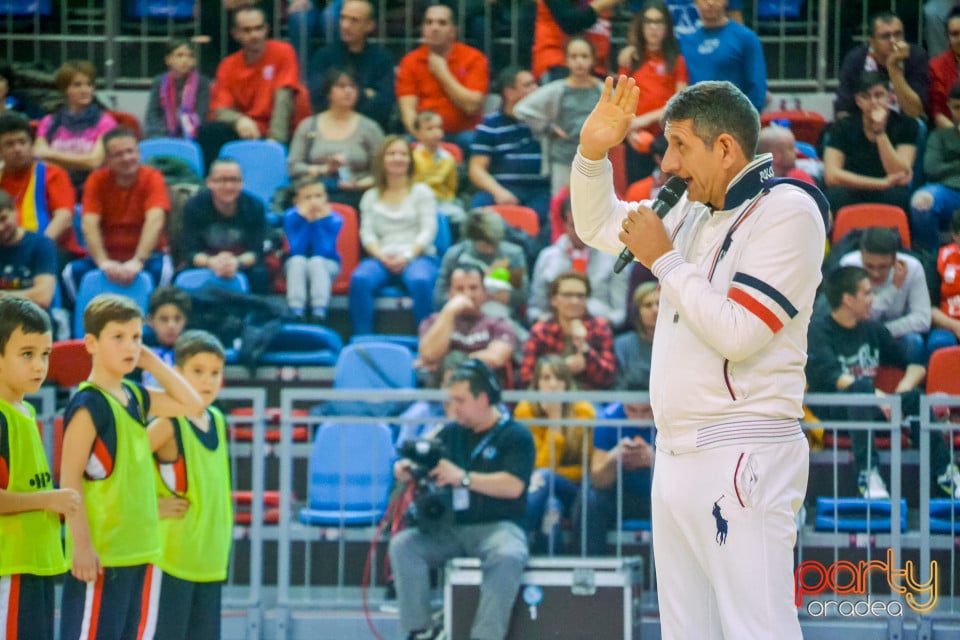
{"points": [[466, 481]]}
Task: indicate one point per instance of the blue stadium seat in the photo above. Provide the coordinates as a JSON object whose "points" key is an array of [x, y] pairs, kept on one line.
{"points": [[25, 8], [353, 371], [195, 279], [773, 9], [807, 150], [95, 282], [403, 339], [263, 164], [302, 345], [942, 510], [636, 525], [186, 150], [851, 515], [161, 8], [350, 474]]}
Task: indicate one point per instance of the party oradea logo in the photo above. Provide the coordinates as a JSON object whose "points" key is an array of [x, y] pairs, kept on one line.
{"points": [[846, 578]]}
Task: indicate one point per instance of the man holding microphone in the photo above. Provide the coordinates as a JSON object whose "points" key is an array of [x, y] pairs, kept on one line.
{"points": [[738, 260]]}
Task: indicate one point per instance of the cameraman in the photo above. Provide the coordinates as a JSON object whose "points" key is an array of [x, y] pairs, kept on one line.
{"points": [[490, 458]]}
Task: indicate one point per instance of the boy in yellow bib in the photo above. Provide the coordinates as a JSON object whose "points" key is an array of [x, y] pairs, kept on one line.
{"points": [[181, 593], [107, 458], [31, 554]]}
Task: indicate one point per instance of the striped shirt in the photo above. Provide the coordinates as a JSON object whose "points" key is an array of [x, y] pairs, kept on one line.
{"points": [[513, 151]]}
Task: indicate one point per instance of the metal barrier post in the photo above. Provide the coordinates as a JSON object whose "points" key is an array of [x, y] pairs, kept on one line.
{"points": [[256, 398]]}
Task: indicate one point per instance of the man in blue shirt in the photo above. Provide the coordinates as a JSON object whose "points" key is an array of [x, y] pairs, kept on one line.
{"points": [[723, 49], [28, 260]]}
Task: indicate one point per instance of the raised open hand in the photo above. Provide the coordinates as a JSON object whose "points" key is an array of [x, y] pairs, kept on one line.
{"points": [[610, 120]]}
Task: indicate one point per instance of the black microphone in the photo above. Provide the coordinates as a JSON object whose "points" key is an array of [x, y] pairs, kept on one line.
{"points": [[667, 199]]}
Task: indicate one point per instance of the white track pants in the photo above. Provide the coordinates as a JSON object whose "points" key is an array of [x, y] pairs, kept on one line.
{"points": [[723, 536]]}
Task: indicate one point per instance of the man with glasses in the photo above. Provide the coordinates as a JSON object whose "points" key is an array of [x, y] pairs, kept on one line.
{"points": [[257, 90], [125, 206], [904, 66], [869, 158], [224, 228]]}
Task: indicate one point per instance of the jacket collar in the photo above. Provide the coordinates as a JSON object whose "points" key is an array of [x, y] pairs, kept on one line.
{"points": [[749, 182]]}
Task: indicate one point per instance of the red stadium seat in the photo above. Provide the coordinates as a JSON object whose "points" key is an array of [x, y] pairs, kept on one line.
{"points": [[618, 158], [272, 414], [348, 246], [70, 363], [125, 119], [243, 503], [805, 125], [870, 214], [519, 216]]}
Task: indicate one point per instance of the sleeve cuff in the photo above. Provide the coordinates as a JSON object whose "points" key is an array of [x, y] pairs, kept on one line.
{"points": [[666, 263], [589, 168]]}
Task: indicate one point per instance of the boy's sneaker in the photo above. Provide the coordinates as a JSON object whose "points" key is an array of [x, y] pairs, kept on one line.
{"points": [[949, 481], [426, 634], [871, 485]]}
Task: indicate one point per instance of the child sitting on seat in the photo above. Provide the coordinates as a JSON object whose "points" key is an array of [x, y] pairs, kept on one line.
{"points": [[311, 228], [435, 166]]}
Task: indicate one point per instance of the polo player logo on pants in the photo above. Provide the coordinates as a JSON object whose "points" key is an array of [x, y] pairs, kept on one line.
{"points": [[721, 522]]}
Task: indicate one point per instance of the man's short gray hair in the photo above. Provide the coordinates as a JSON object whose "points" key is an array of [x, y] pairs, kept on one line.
{"points": [[717, 107]]}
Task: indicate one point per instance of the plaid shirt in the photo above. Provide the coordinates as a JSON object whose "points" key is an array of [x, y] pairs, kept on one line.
{"points": [[547, 337]]}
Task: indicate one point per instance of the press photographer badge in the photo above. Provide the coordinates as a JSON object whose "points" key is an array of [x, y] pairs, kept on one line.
{"points": [[461, 499]]}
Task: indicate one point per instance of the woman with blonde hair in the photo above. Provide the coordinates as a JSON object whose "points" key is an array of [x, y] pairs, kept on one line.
{"points": [[634, 349], [398, 227], [562, 451]]}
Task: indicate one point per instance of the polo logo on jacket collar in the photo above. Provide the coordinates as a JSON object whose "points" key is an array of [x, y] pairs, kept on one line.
{"points": [[749, 183]]}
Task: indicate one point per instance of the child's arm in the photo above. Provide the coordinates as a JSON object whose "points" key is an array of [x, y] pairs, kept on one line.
{"points": [[65, 501], [78, 438], [177, 397], [162, 442], [164, 447]]}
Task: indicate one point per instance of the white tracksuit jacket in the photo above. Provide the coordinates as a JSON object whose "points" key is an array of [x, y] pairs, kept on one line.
{"points": [[729, 352]]}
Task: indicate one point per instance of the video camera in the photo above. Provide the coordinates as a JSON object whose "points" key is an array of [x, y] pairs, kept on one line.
{"points": [[432, 506]]}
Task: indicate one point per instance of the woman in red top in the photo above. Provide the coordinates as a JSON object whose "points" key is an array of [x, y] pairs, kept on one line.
{"points": [[653, 59]]}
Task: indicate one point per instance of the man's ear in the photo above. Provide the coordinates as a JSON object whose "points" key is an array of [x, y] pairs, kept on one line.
{"points": [[732, 153]]}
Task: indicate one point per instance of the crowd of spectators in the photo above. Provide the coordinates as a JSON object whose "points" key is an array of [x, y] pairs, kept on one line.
{"points": [[545, 311]]}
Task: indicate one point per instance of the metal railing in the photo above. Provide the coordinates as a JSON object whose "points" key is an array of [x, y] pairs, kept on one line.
{"points": [[280, 465], [803, 52], [946, 543]]}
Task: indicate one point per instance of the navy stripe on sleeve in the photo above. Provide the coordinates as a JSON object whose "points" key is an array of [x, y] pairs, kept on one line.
{"points": [[766, 290]]}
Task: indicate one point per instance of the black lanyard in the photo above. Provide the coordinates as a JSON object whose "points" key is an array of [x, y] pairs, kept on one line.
{"points": [[487, 439]]}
